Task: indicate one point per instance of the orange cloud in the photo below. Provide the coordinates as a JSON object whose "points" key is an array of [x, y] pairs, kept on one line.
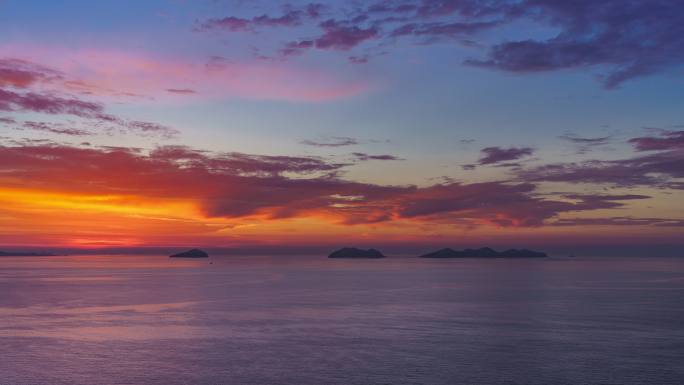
{"points": [[171, 195]]}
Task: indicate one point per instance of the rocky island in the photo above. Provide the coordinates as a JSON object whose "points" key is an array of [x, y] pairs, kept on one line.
{"points": [[194, 253], [484, 252], [25, 254], [352, 252]]}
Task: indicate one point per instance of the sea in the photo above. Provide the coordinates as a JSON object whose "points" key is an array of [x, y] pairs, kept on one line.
{"points": [[303, 320]]}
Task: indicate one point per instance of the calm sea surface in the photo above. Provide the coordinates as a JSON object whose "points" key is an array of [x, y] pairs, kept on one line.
{"points": [[303, 320]]}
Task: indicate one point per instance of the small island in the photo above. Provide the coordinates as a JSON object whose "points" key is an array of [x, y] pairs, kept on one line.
{"points": [[25, 254], [194, 253], [484, 252], [352, 252]]}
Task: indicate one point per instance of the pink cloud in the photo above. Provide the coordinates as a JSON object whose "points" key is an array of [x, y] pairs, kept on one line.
{"points": [[112, 73], [48, 104]]}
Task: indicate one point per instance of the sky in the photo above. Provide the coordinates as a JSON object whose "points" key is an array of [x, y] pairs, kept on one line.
{"points": [[251, 124]]}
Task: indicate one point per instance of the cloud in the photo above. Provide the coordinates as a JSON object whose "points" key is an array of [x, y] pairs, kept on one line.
{"points": [[55, 129], [441, 30], [668, 140], [27, 95], [221, 184], [358, 59], [336, 35], [391, 7], [115, 75], [335, 141], [151, 129], [534, 56], [492, 155], [585, 145], [48, 103], [495, 204], [230, 23], [238, 185], [182, 91], [32, 102], [586, 141], [293, 16], [656, 170], [605, 198], [238, 24], [660, 169], [339, 36], [296, 47], [628, 39], [314, 10], [365, 157], [621, 40], [619, 221], [22, 74]]}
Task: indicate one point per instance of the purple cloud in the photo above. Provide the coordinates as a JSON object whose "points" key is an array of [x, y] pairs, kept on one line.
{"points": [[47, 104], [660, 169], [623, 40], [586, 141], [619, 221], [151, 129], [358, 59], [629, 39], [292, 16], [335, 141], [314, 10], [669, 140], [585, 145], [491, 155], [296, 47], [55, 128], [339, 36], [435, 30], [365, 157], [182, 91], [495, 203], [22, 76], [655, 170], [238, 24]]}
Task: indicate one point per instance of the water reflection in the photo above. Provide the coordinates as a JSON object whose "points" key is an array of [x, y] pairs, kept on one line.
{"points": [[302, 320]]}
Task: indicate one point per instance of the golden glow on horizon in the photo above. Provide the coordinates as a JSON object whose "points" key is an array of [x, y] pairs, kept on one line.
{"points": [[34, 217], [126, 205]]}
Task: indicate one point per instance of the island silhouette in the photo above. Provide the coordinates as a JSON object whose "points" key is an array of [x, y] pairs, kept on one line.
{"points": [[353, 252], [194, 253], [25, 254], [484, 252]]}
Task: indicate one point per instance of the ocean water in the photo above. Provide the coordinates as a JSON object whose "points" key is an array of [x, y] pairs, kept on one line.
{"points": [[310, 320]]}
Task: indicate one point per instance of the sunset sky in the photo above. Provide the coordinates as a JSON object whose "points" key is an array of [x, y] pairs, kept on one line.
{"points": [[401, 122]]}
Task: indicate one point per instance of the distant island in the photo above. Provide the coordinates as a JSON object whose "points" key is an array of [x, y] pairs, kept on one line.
{"points": [[194, 253], [484, 252], [352, 252], [25, 254]]}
